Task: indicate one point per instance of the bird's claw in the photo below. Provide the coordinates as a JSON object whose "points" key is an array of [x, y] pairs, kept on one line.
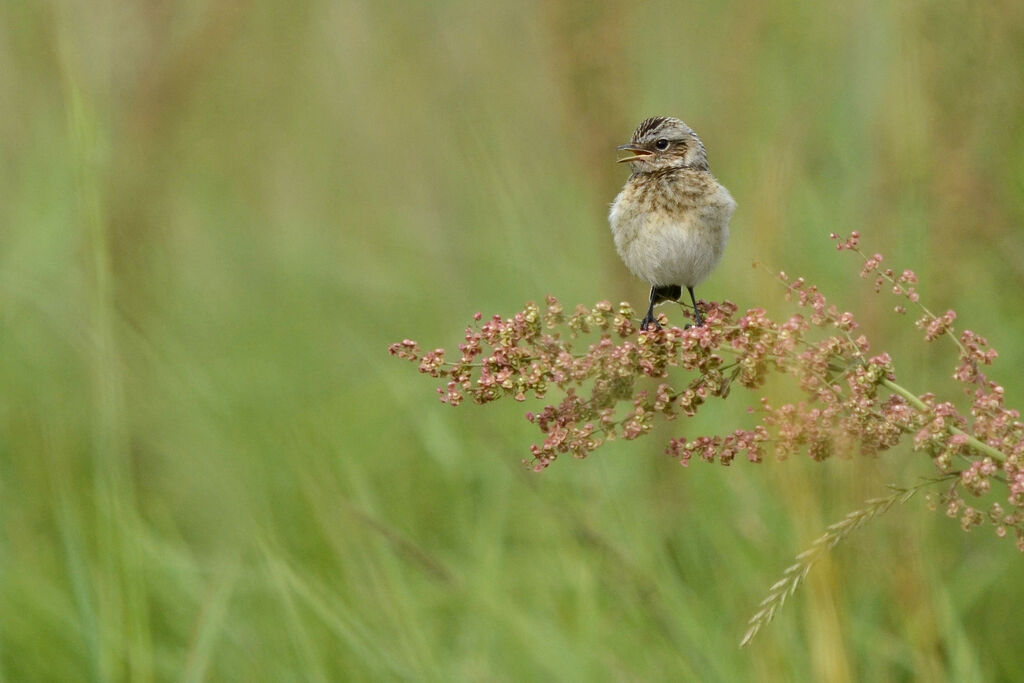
{"points": [[648, 322]]}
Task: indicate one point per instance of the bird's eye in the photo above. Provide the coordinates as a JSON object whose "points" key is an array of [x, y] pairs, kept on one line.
{"points": [[661, 144]]}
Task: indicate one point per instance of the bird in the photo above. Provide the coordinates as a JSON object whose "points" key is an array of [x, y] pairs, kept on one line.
{"points": [[670, 222]]}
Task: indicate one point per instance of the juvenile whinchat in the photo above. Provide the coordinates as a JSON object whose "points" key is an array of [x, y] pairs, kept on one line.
{"points": [[671, 219]]}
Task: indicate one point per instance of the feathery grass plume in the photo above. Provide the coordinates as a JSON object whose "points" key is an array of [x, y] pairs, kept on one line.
{"points": [[785, 587]]}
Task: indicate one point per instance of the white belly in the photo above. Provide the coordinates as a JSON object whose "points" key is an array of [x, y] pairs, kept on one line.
{"points": [[672, 248]]}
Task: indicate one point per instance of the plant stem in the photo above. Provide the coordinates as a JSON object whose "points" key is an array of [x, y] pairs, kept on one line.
{"points": [[974, 442]]}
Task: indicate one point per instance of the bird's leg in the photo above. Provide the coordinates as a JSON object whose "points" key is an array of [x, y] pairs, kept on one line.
{"points": [[696, 308], [649, 318], [660, 293]]}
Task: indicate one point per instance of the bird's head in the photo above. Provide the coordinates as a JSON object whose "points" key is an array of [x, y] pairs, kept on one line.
{"points": [[663, 142]]}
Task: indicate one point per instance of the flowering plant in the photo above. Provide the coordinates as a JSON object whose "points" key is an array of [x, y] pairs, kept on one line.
{"points": [[624, 382]]}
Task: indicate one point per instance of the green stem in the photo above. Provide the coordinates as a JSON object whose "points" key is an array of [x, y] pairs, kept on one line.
{"points": [[974, 443]]}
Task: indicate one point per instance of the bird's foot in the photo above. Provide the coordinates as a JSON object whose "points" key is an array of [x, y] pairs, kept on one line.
{"points": [[649, 323]]}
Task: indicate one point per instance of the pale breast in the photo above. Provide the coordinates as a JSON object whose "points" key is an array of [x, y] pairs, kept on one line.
{"points": [[672, 233]]}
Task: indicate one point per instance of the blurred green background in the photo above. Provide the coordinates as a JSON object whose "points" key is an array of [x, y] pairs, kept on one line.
{"points": [[215, 217]]}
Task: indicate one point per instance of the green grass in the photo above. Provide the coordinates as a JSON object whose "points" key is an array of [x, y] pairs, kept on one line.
{"points": [[215, 220]]}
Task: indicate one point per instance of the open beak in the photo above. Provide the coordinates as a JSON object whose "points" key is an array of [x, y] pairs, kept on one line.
{"points": [[638, 152]]}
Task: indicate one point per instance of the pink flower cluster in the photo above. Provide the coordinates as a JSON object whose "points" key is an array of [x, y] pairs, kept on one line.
{"points": [[614, 382]]}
